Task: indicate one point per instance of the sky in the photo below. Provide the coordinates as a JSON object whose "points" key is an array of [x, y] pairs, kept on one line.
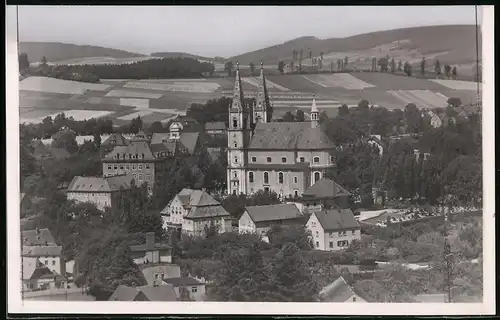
{"points": [[219, 30]]}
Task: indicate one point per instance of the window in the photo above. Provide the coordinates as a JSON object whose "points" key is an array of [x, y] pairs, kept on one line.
{"points": [[317, 176], [295, 179], [283, 159], [162, 276], [148, 177], [316, 159], [317, 233], [266, 189], [254, 159], [116, 167], [268, 159], [332, 159], [147, 165], [280, 177], [235, 175], [235, 159], [250, 177], [353, 232], [302, 159], [235, 144], [140, 177], [317, 244], [53, 262], [331, 244], [342, 243], [109, 167], [296, 193], [46, 262], [194, 289], [127, 167], [121, 167], [134, 167], [266, 177], [340, 233], [235, 122], [140, 167], [156, 276], [135, 175]]}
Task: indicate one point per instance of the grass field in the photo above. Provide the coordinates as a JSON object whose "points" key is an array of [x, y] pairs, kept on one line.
{"points": [[44, 84]]}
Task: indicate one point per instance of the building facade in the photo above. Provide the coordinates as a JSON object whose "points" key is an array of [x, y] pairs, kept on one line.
{"points": [[282, 157], [151, 252], [259, 219], [48, 256]]}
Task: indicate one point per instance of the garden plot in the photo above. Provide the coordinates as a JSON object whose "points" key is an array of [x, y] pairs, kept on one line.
{"points": [[339, 80], [132, 94], [457, 84], [80, 115], [270, 85], [138, 103], [176, 86], [421, 98], [44, 84]]}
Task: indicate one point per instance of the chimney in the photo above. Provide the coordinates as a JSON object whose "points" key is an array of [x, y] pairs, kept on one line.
{"points": [[150, 238]]}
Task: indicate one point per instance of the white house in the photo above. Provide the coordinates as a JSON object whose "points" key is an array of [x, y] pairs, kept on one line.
{"points": [[191, 210], [37, 276], [333, 229], [195, 287], [259, 219], [49, 256]]}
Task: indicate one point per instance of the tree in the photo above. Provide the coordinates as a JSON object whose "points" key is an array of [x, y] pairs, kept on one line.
{"points": [[97, 141], [300, 116], [454, 102], [252, 68], [454, 73], [413, 118], [310, 54], [393, 66], [229, 68], [44, 61], [288, 117], [437, 67], [136, 125], [296, 234], [290, 279], [400, 65], [447, 71], [292, 67], [383, 63], [281, 67], [346, 61], [422, 66], [156, 127], [343, 110], [364, 106], [24, 63], [65, 139], [321, 55], [300, 61]]}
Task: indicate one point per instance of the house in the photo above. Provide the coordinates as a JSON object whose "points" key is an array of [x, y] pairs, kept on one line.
{"points": [[339, 291], [195, 287], [191, 210], [435, 120], [37, 276], [50, 256], [144, 293], [43, 152], [157, 273], [333, 229], [104, 192], [325, 193], [377, 142], [259, 219], [115, 139], [215, 128], [284, 157], [151, 252], [37, 237]]}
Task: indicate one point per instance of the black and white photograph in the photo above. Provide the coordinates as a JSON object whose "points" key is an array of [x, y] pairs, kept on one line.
{"points": [[192, 155]]}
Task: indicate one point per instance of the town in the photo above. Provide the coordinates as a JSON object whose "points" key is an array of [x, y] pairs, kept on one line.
{"points": [[238, 198]]}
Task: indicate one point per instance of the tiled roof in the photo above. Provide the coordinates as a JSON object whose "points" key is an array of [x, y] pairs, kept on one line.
{"points": [[215, 126], [133, 151], [42, 251], [274, 212], [29, 266], [183, 281], [98, 184], [196, 198], [164, 292], [189, 140], [158, 138], [124, 293], [207, 212], [337, 219], [289, 136], [38, 237], [325, 188], [337, 291], [115, 139]]}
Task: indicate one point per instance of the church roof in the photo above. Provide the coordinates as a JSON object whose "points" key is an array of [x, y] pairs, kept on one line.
{"points": [[289, 136]]}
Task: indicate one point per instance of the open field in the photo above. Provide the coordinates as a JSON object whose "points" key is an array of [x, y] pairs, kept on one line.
{"points": [[457, 85], [341, 80], [421, 98], [182, 86], [44, 84], [132, 94]]}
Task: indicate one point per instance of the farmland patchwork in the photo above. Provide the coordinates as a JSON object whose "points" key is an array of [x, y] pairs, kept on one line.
{"points": [[340, 80]]}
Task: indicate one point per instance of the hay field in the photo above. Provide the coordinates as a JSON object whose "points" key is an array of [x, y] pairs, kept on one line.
{"points": [[458, 85], [178, 86], [340, 80], [132, 94], [51, 85]]}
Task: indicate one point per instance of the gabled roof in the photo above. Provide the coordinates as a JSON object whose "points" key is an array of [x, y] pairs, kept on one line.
{"points": [[41, 251], [158, 138], [115, 139], [215, 126], [289, 136], [337, 219], [132, 151], [37, 237], [324, 188], [124, 293], [337, 291], [187, 140], [98, 184], [183, 281], [150, 293], [29, 266], [273, 212], [207, 212]]}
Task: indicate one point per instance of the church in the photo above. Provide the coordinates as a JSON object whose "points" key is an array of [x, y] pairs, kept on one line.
{"points": [[284, 157]]}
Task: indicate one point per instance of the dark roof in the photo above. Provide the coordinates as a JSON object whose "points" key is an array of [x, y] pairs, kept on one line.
{"points": [[207, 212], [97, 184], [38, 237], [289, 136], [187, 140], [273, 212], [115, 139], [41, 251], [59, 153], [163, 292], [124, 293], [337, 291], [183, 281], [215, 126], [337, 219], [325, 188], [134, 148]]}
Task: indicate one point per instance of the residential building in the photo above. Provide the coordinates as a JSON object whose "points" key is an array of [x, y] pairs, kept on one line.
{"points": [[156, 273], [284, 157], [215, 128], [151, 252], [377, 142], [37, 276], [43, 152], [144, 293], [325, 193], [104, 192], [195, 287], [191, 210], [37, 237], [333, 229], [50, 256], [113, 140], [339, 291], [259, 219]]}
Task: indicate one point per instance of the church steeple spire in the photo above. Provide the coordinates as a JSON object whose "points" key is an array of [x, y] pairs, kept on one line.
{"points": [[262, 112], [314, 113], [238, 99]]}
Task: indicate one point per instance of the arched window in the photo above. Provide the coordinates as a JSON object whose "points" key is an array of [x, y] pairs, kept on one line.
{"points": [[283, 159], [266, 177], [296, 193], [250, 177], [317, 176], [280, 177], [268, 159], [302, 159], [235, 122], [236, 144], [235, 175], [235, 159], [316, 160], [295, 180]]}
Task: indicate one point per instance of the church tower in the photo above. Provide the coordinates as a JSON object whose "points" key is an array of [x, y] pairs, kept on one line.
{"points": [[314, 114], [238, 138], [262, 110]]}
